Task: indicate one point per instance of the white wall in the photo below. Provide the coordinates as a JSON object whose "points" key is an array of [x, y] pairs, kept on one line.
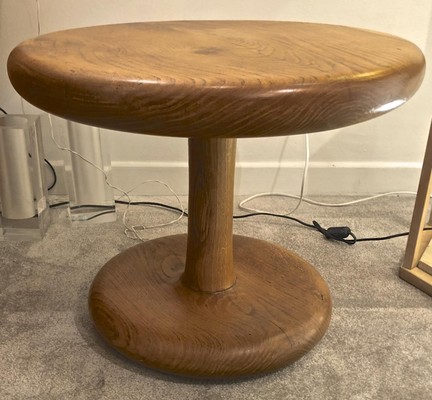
{"points": [[375, 156]]}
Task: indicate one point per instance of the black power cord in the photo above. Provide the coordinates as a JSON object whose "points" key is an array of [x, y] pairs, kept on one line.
{"points": [[46, 161], [337, 233], [53, 174]]}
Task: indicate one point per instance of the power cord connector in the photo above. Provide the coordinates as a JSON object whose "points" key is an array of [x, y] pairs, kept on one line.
{"points": [[338, 233]]}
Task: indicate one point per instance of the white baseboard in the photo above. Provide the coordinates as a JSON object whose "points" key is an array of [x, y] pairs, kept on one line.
{"points": [[339, 178], [324, 178]]}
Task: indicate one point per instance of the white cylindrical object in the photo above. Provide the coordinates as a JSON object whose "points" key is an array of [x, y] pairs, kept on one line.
{"points": [[89, 183], [16, 190]]}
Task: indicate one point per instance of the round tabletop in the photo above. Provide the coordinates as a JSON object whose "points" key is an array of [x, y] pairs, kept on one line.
{"points": [[217, 78]]}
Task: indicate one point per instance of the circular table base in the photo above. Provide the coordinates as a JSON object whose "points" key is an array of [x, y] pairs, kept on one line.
{"points": [[278, 310]]}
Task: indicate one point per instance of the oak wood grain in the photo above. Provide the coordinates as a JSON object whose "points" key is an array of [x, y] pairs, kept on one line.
{"points": [[212, 81], [209, 265], [418, 278], [278, 310], [217, 78]]}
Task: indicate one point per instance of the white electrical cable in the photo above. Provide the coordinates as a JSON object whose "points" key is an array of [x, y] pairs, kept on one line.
{"points": [[38, 33], [38, 17], [301, 197], [22, 105], [323, 204], [131, 231], [302, 188], [143, 227]]}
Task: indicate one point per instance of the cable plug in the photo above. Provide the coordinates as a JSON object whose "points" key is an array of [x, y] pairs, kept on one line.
{"points": [[338, 233]]}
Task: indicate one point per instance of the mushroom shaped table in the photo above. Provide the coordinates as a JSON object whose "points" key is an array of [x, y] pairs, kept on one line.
{"points": [[209, 303]]}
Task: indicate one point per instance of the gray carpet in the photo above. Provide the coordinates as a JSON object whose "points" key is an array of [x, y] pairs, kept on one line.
{"points": [[378, 346]]}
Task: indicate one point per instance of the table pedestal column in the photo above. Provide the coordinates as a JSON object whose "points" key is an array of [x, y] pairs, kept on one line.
{"points": [[209, 256], [210, 304]]}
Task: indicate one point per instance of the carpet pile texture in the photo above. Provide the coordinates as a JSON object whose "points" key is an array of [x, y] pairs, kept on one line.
{"points": [[378, 346]]}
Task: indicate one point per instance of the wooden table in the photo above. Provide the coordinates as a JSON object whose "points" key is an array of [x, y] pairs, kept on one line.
{"points": [[208, 303]]}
